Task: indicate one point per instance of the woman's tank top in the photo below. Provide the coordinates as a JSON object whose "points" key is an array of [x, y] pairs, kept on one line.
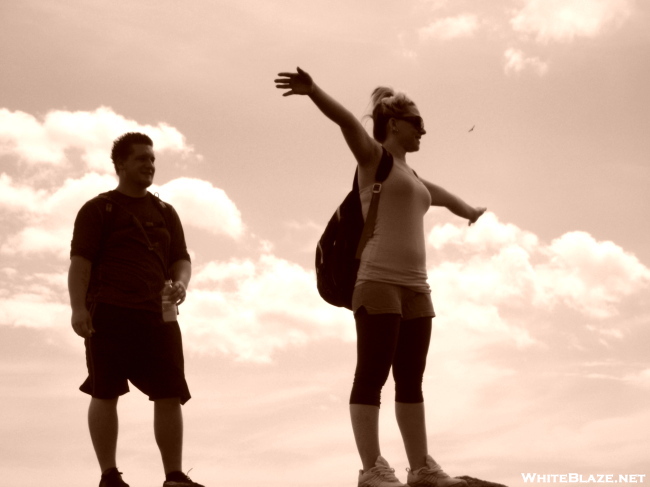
{"points": [[396, 253]]}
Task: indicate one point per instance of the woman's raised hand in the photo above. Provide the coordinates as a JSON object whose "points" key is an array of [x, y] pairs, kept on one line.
{"points": [[476, 214], [299, 83]]}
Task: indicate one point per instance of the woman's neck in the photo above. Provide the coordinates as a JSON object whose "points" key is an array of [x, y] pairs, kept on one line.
{"points": [[395, 149]]}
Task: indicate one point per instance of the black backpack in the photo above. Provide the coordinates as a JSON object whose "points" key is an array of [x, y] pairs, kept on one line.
{"points": [[339, 249]]}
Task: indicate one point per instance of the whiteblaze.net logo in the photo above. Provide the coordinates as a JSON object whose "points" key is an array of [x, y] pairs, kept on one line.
{"points": [[574, 478]]}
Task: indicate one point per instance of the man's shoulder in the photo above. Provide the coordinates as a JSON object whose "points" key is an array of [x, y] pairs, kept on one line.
{"points": [[92, 213], [157, 200], [99, 200], [96, 203], [165, 207]]}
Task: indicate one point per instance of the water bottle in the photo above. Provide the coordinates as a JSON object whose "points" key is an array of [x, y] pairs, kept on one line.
{"points": [[169, 309]]}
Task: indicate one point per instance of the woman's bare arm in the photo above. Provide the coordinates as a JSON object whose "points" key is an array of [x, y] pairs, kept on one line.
{"points": [[365, 149], [442, 197]]}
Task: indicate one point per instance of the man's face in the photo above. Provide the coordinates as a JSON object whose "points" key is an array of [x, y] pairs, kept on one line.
{"points": [[138, 169]]}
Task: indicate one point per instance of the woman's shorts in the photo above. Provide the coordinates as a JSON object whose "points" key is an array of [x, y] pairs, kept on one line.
{"points": [[137, 346], [383, 298]]}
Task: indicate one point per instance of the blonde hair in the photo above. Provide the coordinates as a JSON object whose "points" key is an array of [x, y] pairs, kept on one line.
{"points": [[386, 104]]}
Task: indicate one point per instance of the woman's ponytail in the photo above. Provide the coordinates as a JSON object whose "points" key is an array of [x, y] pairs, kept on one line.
{"points": [[386, 104]]}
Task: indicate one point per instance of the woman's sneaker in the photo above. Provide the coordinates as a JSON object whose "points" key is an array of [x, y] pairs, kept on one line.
{"points": [[381, 475], [179, 479], [112, 478], [432, 476]]}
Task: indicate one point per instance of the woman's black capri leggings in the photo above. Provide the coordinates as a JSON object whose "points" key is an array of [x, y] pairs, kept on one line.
{"points": [[385, 340]]}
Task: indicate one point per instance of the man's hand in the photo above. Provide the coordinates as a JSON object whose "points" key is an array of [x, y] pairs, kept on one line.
{"points": [[177, 293], [476, 214], [299, 83], [82, 323]]}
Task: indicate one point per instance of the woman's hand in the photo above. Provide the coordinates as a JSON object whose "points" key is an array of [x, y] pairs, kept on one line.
{"points": [[299, 83], [476, 214]]}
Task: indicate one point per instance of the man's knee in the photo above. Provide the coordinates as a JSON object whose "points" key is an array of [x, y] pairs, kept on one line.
{"points": [[96, 402], [167, 403]]}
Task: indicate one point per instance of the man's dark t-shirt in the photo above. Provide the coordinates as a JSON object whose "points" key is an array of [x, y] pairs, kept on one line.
{"points": [[125, 272]]}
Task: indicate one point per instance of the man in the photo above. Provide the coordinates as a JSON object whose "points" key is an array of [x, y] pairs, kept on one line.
{"points": [[126, 248]]}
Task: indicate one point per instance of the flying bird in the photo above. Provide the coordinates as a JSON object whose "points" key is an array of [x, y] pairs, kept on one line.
{"points": [[472, 129]]}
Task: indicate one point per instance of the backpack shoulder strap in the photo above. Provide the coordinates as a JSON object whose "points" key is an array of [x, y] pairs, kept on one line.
{"points": [[384, 167], [109, 200], [164, 208], [383, 171], [111, 204], [107, 218]]}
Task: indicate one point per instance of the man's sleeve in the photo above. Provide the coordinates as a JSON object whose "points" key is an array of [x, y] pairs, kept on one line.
{"points": [[177, 246], [87, 233]]}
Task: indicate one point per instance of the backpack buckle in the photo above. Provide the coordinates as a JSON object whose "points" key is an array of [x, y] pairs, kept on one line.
{"points": [[376, 188]]}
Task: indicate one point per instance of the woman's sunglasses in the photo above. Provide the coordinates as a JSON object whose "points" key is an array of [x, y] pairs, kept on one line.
{"points": [[414, 120]]}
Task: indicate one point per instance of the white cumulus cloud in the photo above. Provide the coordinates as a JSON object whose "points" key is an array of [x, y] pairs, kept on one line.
{"points": [[495, 264], [516, 62], [450, 28], [589, 276], [249, 309], [564, 20], [203, 206], [91, 133], [45, 218], [481, 276]]}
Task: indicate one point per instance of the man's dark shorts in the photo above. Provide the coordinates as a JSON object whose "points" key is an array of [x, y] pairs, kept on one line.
{"points": [[134, 345]]}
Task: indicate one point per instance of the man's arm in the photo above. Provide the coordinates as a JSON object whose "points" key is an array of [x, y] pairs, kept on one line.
{"points": [[181, 272], [78, 280], [442, 197]]}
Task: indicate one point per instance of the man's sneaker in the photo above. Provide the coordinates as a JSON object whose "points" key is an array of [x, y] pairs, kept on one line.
{"points": [[179, 479], [432, 476], [381, 475], [112, 478]]}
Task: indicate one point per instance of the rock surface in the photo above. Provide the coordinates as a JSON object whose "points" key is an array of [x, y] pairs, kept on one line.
{"points": [[472, 482]]}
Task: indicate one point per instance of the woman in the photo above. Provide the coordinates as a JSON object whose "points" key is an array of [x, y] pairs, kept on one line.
{"points": [[391, 300]]}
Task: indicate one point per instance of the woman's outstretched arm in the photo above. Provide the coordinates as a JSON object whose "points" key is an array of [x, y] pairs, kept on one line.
{"points": [[365, 149], [442, 197]]}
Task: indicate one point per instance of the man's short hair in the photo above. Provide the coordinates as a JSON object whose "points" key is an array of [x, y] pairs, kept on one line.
{"points": [[122, 145]]}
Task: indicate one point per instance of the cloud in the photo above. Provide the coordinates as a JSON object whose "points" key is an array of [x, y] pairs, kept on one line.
{"points": [[17, 197], [450, 28], [641, 378], [490, 284], [203, 206], [249, 309], [564, 20], [40, 221], [589, 276], [36, 301], [45, 142], [33, 310], [45, 219], [516, 61], [498, 265]]}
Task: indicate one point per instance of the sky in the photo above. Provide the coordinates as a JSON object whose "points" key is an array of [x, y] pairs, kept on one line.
{"points": [[538, 361]]}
